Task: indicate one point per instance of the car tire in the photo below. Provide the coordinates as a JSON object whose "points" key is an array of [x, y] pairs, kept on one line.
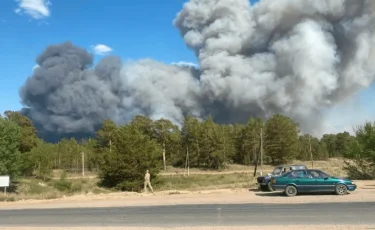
{"points": [[341, 189], [269, 186], [291, 190], [263, 188]]}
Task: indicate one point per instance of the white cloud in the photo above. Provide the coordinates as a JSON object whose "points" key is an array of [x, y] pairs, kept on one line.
{"points": [[35, 67], [37, 9], [183, 63], [101, 49]]}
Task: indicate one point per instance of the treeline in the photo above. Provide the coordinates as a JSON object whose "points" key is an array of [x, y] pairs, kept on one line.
{"points": [[121, 154]]}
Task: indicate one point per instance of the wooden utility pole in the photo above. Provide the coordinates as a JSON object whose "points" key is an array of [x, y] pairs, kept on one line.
{"points": [[164, 160], [83, 164], [187, 161], [311, 155], [256, 163], [110, 145], [261, 151]]}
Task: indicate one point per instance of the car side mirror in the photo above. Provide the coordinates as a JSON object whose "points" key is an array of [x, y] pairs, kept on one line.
{"points": [[326, 178]]}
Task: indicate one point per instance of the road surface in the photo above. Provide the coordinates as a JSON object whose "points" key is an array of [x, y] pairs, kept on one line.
{"points": [[195, 215]]}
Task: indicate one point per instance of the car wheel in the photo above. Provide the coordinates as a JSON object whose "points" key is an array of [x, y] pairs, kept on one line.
{"points": [[263, 188], [269, 186], [290, 190], [341, 189]]}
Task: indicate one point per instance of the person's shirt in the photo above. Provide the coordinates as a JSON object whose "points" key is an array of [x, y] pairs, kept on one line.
{"points": [[147, 176]]}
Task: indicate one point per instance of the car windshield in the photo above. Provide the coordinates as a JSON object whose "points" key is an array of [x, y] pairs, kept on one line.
{"points": [[296, 167], [277, 170]]}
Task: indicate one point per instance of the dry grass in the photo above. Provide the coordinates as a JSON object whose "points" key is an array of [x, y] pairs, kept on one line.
{"points": [[204, 182], [38, 190], [88, 174], [232, 177], [333, 166]]}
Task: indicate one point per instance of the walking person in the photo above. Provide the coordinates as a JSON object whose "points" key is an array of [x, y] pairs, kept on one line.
{"points": [[147, 181]]}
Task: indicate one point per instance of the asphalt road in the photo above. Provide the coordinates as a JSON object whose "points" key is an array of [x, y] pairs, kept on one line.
{"points": [[194, 215]]}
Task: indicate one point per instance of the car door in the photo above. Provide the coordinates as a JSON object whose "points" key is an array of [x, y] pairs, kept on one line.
{"points": [[303, 182], [322, 182]]}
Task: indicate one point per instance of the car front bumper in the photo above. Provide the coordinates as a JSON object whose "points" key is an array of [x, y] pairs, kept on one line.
{"points": [[262, 184], [351, 187]]}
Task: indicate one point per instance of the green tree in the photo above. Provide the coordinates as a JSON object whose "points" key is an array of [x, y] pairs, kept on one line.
{"points": [[144, 124], [337, 144], [211, 151], [28, 131], [89, 149], [191, 138], [42, 158], [67, 155], [362, 153], [249, 141], [330, 141], [343, 142], [168, 136], [132, 154], [105, 135], [10, 156], [318, 150], [227, 134], [281, 138]]}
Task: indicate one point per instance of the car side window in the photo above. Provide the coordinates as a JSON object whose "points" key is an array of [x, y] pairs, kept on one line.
{"points": [[297, 174], [315, 174]]}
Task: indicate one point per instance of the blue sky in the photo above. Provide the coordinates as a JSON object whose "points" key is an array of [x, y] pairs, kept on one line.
{"points": [[132, 28]]}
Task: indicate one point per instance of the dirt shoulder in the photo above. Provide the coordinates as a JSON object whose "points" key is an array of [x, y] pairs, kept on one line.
{"points": [[365, 192]]}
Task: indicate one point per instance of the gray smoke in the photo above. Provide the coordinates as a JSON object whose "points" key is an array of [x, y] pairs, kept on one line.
{"points": [[292, 57]]}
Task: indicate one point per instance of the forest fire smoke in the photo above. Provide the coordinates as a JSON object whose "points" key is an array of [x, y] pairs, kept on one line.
{"points": [[286, 56]]}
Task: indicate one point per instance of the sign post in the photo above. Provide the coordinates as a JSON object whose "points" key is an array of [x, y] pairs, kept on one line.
{"points": [[4, 182]]}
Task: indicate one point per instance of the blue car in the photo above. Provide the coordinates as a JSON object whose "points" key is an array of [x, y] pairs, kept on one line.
{"points": [[310, 181], [264, 182]]}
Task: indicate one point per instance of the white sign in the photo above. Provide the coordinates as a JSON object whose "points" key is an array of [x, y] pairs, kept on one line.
{"points": [[4, 181]]}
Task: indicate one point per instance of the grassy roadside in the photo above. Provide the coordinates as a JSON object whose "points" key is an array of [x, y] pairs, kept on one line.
{"points": [[202, 182], [333, 166], [53, 189], [235, 176]]}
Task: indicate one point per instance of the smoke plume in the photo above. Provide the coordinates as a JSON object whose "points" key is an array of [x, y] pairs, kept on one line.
{"points": [[292, 57]]}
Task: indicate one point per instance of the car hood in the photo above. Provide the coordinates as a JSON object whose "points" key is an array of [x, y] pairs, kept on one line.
{"points": [[265, 176], [341, 178], [346, 179]]}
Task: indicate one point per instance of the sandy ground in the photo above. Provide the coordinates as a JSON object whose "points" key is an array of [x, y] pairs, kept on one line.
{"points": [[364, 192], [290, 227]]}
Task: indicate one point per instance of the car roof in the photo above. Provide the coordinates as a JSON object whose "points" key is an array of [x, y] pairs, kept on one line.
{"points": [[307, 170], [295, 165]]}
